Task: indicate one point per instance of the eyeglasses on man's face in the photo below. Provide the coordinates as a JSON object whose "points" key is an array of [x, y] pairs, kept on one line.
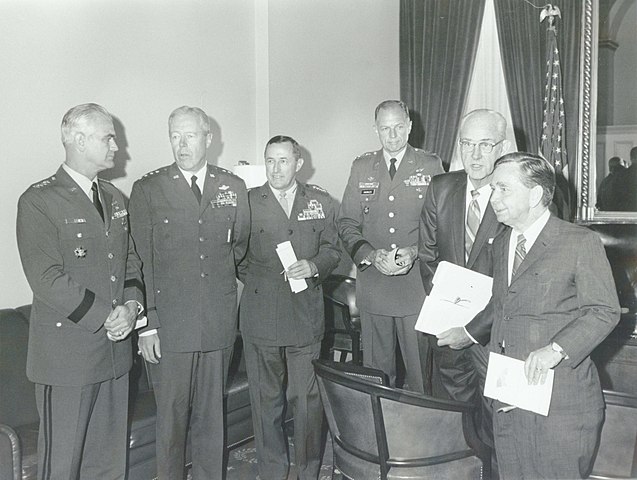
{"points": [[485, 147]]}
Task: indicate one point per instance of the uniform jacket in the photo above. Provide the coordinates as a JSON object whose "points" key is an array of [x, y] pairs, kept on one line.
{"points": [[563, 292], [270, 313], [79, 269], [378, 212], [189, 253], [443, 217]]}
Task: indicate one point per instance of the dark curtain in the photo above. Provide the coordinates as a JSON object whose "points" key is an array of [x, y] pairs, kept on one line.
{"points": [[523, 49], [438, 43]]}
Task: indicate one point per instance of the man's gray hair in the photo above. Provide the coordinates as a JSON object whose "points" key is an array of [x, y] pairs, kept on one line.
{"points": [[389, 104], [204, 121], [76, 118]]}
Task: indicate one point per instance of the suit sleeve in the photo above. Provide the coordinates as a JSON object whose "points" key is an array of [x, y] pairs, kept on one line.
{"points": [[43, 264], [329, 253], [427, 238], [350, 222], [142, 232], [242, 225], [598, 303]]}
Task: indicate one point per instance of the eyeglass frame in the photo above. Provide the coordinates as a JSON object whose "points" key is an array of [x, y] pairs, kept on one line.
{"points": [[467, 146]]}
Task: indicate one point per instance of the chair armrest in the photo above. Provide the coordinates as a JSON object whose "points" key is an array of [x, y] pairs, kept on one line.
{"points": [[10, 454]]}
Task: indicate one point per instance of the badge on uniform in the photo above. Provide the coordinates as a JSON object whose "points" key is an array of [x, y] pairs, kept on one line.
{"points": [[365, 209], [225, 199], [74, 220], [80, 252], [419, 179], [120, 213], [368, 188], [314, 211]]}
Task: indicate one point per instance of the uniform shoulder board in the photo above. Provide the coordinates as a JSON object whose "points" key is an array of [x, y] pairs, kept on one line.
{"points": [[155, 172], [224, 171], [44, 183], [366, 154], [316, 188]]}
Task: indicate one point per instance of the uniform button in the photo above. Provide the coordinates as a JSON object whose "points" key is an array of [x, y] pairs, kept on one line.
{"points": [[107, 233], [110, 255], [200, 221], [202, 256], [420, 196], [114, 302], [393, 245], [392, 230], [290, 232], [391, 198], [203, 275], [59, 324], [201, 239], [165, 220], [79, 235], [391, 214], [113, 278]]}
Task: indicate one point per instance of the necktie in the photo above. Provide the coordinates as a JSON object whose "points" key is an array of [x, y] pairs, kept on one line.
{"points": [[284, 203], [96, 200], [392, 168], [520, 253], [195, 188], [473, 223]]}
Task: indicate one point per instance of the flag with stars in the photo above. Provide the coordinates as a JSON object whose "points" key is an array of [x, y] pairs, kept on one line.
{"points": [[553, 142]]}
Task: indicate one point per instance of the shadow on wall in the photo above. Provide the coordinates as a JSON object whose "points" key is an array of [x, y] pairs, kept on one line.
{"points": [[121, 157], [216, 147], [307, 171]]}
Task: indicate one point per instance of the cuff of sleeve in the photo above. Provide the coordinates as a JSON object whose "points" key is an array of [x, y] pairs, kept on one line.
{"points": [[469, 335], [147, 333]]}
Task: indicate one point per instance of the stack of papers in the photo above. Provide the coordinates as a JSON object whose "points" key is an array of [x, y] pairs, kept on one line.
{"points": [[286, 254], [458, 295], [507, 382]]}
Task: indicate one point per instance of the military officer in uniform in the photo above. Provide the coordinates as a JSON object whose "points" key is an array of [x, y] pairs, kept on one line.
{"points": [[282, 330], [73, 238], [378, 224], [190, 222]]}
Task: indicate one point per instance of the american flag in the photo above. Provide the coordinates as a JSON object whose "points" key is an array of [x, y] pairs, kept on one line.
{"points": [[553, 144]]}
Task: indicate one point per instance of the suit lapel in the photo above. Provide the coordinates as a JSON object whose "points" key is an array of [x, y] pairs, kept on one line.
{"points": [[210, 189], [405, 169], [108, 206], [458, 218], [181, 187], [482, 236], [543, 241], [300, 202]]}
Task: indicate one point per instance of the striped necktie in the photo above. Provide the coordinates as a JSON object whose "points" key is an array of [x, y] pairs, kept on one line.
{"points": [[473, 223], [96, 200], [520, 253]]}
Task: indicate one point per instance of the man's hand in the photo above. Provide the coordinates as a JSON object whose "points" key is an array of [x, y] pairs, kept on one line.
{"points": [[406, 256], [302, 269], [455, 338], [149, 348], [538, 364], [121, 321], [385, 264]]}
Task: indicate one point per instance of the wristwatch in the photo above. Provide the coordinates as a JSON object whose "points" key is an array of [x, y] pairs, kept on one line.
{"points": [[556, 348]]}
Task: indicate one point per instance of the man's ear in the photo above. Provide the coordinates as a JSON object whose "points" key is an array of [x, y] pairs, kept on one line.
{"points": [[535, 198], [79, 140], [299, 164], [208, 139]]}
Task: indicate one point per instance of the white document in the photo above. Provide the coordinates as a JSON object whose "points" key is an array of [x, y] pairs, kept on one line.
{"points": [[288, 257], [458, 295], [506, 382]]}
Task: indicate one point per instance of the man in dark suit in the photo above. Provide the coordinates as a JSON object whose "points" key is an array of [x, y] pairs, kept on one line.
{"points": [[458, 225], [190, 222], [553, 302], [378, 224], [77, 255], [282, 330]]}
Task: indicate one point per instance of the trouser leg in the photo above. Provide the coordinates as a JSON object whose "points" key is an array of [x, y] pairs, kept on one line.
{"points": [[410, 349], [378, 335]]}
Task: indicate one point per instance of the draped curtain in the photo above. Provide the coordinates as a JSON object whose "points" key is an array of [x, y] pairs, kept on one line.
{"points": [[438, 44], [523, 48]]}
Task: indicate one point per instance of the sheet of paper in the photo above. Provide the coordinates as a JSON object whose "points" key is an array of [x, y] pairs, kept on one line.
{"points": [[458, 295], [286, 254], [506, 382]]}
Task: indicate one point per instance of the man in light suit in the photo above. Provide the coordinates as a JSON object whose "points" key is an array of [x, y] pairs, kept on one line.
{"points": [[378, 224], [553, 302], [190, 222], [458, 225], [282, 330], [86, 279]]}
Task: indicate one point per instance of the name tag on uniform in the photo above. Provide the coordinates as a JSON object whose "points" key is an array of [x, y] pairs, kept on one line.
{"points": [[69, 221], [314, 211], [225, 199]]}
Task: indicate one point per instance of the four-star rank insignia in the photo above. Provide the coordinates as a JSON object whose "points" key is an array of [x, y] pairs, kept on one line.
{"points": [[80, 252]]}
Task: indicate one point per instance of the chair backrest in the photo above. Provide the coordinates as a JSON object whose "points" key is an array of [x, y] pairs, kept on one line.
{"points": [[380, 432], [617, 453], [342, 289]]}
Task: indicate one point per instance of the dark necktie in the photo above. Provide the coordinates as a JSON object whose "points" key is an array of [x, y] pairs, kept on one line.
{"points": [[473, 222], [392, 168], [195, 188], [96, 200], [520, 253]]}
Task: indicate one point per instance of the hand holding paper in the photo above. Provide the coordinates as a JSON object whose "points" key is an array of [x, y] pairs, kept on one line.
{"points": [[288, 258], [458, 295]]}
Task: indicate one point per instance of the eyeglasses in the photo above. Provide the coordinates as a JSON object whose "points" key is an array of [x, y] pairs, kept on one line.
{"points": [[485, 147]]}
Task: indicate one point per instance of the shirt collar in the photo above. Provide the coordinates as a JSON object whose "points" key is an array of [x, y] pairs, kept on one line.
{"points": [[534, 230], [201, 173], [84, 183], [399, 156], [289, 193]]}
